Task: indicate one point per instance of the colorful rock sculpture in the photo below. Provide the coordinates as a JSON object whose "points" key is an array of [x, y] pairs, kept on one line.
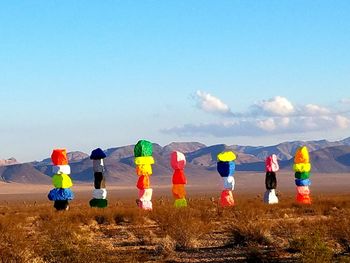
{"points": [[178, 163], [99, 194], [271, 167], [302, 168], [226, 169], [62, 193], [143, 151]]}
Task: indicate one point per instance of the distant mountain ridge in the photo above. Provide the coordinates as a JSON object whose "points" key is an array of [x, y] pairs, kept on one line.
{"points": [[326, 157], [9, 161]]}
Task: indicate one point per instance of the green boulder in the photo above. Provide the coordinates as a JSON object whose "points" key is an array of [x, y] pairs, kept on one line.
{"points": [[302, 175], [100, 203], [143, 148]]}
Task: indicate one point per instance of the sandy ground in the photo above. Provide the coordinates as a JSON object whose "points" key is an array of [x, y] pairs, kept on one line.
{"points": [[246, 183]]}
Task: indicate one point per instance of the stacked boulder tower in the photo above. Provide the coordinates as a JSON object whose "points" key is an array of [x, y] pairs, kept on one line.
{"points": [[226, 169], [99, 194], [143, 151], [302, 168], [62, 193], [178, 163], [271, 167]]}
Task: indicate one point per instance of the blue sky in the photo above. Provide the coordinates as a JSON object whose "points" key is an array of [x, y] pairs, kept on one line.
{"points": [[86, 74]]}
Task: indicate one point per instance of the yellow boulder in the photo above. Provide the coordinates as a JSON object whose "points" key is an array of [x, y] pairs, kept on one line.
{"points": [[144, 160], [62, 181], [226, 156], [302, 167]]}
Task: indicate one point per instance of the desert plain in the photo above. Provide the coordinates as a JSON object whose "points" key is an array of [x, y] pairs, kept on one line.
{"points": [[32, 231]]}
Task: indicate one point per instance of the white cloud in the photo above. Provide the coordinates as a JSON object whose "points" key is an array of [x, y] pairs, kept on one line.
{"points": [[285, 122], [266, 125], [281, 106], [342, 121], [312, 109], [276, 106], [212, 104]]}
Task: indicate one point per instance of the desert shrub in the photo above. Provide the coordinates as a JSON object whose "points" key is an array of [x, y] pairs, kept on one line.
{"points": [[128, 215], [166, 246], [301, 209], [45, 216], [80, 215], [63, 240], [14, 246], [340, 230], [327, 206], [107, 216], [186, 226], [312, 248], [248, 233], [249, 224], [102, 219], [255, 255]]}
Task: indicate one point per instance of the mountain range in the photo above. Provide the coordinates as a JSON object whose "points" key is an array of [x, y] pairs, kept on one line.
{"points": [[326, 157]]}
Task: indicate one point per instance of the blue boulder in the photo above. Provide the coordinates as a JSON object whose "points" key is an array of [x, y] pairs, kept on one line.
{"points": [[302, 182], [60, 194], [226, 169], [97, 154]]}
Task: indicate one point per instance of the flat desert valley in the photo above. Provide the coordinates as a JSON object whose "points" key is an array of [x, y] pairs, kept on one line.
{"points": [[246, 183]]}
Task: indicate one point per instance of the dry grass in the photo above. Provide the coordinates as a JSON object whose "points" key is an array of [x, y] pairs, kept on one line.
{"points": [[185, 226], [202, 232]]}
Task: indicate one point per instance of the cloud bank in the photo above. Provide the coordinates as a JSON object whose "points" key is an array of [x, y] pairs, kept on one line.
{"points": [[275, 115]]}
